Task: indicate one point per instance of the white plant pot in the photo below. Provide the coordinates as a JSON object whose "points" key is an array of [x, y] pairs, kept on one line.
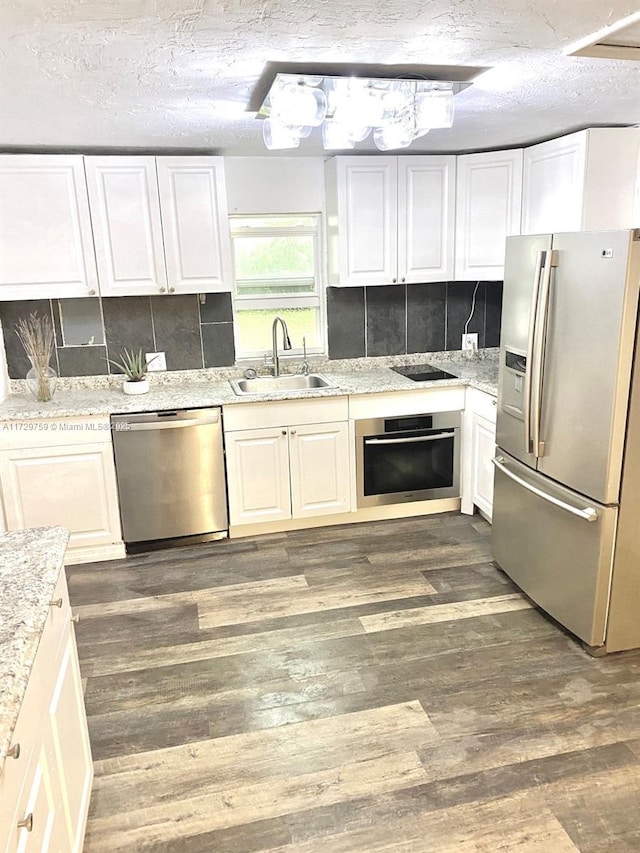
{"points": [[140, 387]]}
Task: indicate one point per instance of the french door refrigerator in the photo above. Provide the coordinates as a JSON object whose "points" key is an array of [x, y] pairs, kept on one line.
{"points": [[566, 514]]}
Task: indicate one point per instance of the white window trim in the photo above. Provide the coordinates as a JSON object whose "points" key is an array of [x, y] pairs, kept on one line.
{"points": [[282, 302]]}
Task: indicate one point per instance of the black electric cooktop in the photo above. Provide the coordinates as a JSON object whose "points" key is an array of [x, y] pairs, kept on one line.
{"points": [[423, 372]]}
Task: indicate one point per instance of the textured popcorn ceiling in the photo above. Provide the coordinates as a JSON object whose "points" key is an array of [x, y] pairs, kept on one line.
{"points": [[178, 73]]}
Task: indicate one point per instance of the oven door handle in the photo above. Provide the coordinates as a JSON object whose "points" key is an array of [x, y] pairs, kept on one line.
{"points": [[412, 440]]}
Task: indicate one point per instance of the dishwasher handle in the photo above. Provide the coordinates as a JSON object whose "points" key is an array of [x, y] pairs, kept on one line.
{"points": [[162, 424]]}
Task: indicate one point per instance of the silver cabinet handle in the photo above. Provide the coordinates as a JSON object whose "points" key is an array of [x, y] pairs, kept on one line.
{"points": [[172, 290], [284, 432], [293, 432], [162, 289], [75, 619], [57, 602], [26, 822], [413, 440], [588, 514], [92, 292], [540, 259], [14, 751], [152, 425]]}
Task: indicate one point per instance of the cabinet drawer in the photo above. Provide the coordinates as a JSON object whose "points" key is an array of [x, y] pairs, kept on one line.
{"points": [[483, 404], [49, 432], [285, 413]]}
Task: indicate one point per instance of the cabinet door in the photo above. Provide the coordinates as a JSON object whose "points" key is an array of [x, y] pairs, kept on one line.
{"points": [[73, 487], [46, 249], [258, 475], [488, 207], [483, 448], [125, 210], [426, 206], [367, 220], [68, 744], [320, 479], [195, 224], [40, 805], [553, 185]]}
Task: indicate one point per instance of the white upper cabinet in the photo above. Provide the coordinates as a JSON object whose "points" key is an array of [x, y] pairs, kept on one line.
{"points": [[426, 188], [45, 231], [125, 209], [362, 220], [488, 206], [163, 231], [586, 181], [195, 224], [389, 219]]}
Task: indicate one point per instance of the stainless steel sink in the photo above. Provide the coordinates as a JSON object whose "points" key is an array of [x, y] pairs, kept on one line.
{"points": [[279, 384]]}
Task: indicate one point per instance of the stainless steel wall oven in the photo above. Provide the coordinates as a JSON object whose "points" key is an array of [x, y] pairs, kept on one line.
{"points": [[410, 458]]}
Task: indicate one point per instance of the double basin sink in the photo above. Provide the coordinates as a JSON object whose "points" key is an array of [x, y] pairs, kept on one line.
{"points": [[279, 384]]}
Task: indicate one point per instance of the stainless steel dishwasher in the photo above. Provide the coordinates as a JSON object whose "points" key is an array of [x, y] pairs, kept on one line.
{"points": [[171, 476]]}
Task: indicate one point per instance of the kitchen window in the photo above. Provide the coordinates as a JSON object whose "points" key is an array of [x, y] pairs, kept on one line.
{"points": [[277, 272]]}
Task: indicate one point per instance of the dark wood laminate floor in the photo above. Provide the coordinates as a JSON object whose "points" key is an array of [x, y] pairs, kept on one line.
{"points": [[374, 687]]}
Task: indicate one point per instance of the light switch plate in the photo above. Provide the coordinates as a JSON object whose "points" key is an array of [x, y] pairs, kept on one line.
{"points": [[470, 342], [159, 361]]}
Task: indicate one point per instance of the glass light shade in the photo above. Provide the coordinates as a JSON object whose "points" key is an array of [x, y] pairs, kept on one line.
{"points": [[434, 109], [278, 135], [336, 136], [297, 104], [392, 136], [395, 102]]}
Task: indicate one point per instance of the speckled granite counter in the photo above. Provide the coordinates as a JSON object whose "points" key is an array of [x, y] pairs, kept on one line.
{"points": [[30, 563], [361, 376]]}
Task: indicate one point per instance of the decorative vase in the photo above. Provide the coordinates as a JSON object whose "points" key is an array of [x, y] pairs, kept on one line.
{"points": [[139, 386], [42, 383]]}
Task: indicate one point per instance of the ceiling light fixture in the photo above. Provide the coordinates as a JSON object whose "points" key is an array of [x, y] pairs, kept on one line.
{"points": [[395, 111]]}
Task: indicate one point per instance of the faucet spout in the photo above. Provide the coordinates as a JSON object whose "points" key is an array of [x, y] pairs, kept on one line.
{"points": [[286, 342]]}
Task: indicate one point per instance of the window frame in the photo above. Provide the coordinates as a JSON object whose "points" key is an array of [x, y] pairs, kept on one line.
{"points": [[277, 302]]}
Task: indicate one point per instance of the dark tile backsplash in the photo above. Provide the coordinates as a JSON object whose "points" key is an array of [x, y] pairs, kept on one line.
{"points": [[169, 324], [345, 322], [387, 320], [460, 304], [176, 325], [398, 319], [217, 344], [426, 317]]}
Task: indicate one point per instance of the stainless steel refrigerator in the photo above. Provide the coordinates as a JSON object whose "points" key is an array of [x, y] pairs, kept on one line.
{"points": [[566, 514]]}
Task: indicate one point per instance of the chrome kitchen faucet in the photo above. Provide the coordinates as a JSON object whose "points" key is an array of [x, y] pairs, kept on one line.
{"points": [[286, 342]]}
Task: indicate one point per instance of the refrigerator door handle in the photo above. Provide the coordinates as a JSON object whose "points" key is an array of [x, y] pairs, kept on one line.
{"points": [[551, 260], [540, 262], [588, 514]]}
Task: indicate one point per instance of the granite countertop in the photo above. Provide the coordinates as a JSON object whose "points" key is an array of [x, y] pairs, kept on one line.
{"points": [[361, 376], [30, 563]]}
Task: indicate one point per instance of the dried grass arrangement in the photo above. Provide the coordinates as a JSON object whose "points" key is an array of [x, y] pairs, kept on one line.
{"points": [[37, 337]]}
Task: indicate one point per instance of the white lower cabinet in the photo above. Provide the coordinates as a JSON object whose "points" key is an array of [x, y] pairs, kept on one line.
{"points": [[483, 447], [63, 475], [45, 783], [478, 449], [258, 475], [287, 472]]}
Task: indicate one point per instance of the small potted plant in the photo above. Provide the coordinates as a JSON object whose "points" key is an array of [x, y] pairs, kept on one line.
{"points": [[135, 367]]}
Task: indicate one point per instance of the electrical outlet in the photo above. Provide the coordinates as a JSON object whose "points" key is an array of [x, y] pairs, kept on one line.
{"points": [[159, 361], [470, 342]]}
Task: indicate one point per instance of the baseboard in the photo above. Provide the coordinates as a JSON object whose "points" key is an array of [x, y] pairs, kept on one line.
{"points": [[94, 554], [377, 513]]}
